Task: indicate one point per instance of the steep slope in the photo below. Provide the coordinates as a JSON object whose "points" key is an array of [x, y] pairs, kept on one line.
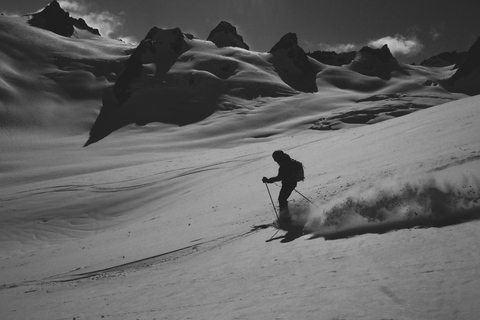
{"points": [[145, 217]]}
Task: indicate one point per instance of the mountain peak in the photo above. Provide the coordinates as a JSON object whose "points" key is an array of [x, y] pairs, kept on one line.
{"points": [[57, 20], [293, 65], [225, 35], [288, 41], [161, 47], [376, 63]]}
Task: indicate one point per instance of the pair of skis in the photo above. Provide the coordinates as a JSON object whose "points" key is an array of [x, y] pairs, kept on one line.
{"points": [[282, 225]]}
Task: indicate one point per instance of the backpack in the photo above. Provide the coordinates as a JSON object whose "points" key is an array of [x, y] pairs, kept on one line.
{"points": [[297, 172]]}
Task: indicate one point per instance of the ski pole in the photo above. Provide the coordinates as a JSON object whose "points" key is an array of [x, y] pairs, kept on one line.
{"points": [[306, 198], [274, 209], [273, 235]]}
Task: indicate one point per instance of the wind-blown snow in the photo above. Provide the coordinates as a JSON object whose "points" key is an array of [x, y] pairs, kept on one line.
{"points": [[168, 218], [430, 201]]}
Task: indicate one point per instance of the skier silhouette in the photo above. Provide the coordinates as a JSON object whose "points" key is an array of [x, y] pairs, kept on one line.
{"points": [[288, 177]]}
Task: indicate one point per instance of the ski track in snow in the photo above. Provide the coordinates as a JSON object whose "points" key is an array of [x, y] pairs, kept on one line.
{"points": [[125, 269]]}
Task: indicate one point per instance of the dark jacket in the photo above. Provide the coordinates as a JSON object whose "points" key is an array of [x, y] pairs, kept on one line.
{"points": [[284, 173]]}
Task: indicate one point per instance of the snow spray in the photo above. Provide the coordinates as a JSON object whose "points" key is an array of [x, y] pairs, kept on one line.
{"points": [[426, 201]]}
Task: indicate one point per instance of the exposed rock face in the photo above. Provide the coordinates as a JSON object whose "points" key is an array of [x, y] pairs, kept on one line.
{"points": [[383, 54], [467, 78], [471, 63], [158, 52], [376, 63], [445, 59], [332, 58], [161, 47], [53, 18], [225, 35], [57, 20], [81, 24], [293, 65]]}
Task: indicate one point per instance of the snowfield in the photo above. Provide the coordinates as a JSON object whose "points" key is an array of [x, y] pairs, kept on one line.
{"points": [[164, 216]]}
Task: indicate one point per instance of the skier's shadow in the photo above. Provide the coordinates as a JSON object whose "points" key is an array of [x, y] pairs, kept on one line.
{"points": [[292, 234]]}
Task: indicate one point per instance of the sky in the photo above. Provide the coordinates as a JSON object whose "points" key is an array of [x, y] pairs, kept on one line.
{"points": [[413, 29]]}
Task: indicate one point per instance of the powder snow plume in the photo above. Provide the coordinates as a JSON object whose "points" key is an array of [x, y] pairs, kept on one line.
{"points": [[427, 201]]}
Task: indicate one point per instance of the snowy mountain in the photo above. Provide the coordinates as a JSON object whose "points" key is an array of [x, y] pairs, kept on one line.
{"points": [[164, 215]]}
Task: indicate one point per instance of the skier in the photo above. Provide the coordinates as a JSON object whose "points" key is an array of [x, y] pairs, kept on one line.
{"points": [[289, 173]]}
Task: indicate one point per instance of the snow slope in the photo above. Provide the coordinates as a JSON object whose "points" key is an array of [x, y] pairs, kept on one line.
{"points": [[162, 221]]}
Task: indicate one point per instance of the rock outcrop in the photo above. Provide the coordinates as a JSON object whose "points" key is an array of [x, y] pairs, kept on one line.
{"points": [[225, 35], [467, 78], [293, 65], [157, 53], [161, 47], [376, 63]]}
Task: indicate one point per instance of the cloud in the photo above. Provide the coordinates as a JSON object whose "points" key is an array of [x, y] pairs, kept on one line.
{"points": [[342, 47], [399, 45], [72, 6], [435, 34], [128, 39], [11, 14], [106, 22]]}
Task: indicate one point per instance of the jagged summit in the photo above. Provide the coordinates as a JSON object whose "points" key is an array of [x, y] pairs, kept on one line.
{"points": [[225, 35], [57, 20]]}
